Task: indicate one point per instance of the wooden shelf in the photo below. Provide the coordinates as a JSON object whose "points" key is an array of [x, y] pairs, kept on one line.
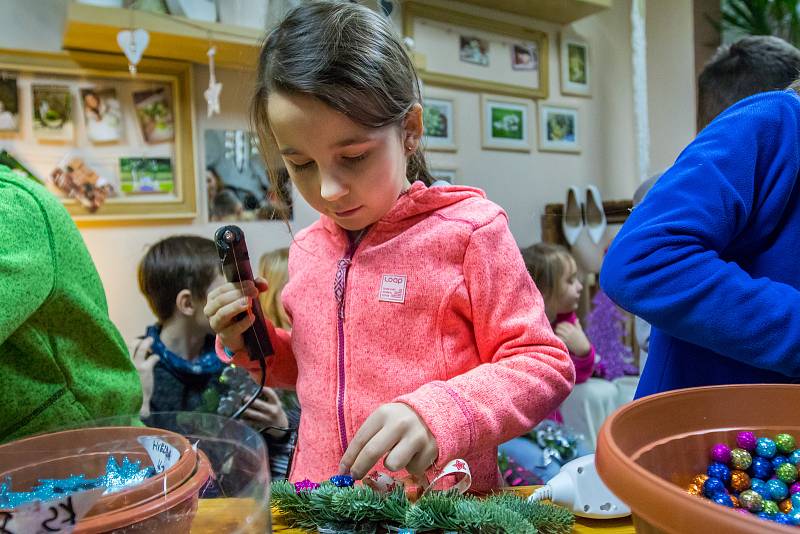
{"points": [[559, 11], [95, 28]]}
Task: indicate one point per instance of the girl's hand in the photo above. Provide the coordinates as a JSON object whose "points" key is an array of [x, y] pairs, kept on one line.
{"points": [[224, 306], [144, 360], [267, 411], [394, 430], [573, 337]]}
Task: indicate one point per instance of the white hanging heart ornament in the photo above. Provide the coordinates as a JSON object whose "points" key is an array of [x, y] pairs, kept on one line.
{"points": [[133, 43]]}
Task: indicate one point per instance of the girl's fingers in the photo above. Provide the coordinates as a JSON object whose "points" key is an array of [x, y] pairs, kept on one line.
{"points": [[228, 313], [231, 336], [421, 462], [401, 454], [226, 294], [373, 450]]}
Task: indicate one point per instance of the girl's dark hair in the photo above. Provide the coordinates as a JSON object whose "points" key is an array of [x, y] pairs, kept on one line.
{"points": [[174, 264], [347, 56]]}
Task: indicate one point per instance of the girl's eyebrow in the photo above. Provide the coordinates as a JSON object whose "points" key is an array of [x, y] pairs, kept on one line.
{"points": [[349, 141]]}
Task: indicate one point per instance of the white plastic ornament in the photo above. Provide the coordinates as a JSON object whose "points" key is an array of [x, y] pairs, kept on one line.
{"points": [[214, 87], [133, 43]]}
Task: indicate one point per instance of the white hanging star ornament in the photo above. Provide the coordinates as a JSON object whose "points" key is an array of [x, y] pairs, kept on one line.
{"points": [[214, 87]]}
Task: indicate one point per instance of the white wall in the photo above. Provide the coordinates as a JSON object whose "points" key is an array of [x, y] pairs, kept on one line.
{"points": [[670, 80], [521, 183]]}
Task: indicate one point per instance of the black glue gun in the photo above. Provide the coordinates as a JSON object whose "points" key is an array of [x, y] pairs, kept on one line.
{"points": [[235, 261]]}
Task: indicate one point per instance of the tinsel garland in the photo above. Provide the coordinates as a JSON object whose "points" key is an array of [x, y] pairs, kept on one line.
{"points": [[329, 506], [606, 330]]}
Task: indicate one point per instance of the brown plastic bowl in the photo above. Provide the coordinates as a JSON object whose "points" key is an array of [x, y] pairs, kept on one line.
{"points": [[172, 514], [649, 450], [86, 451]]}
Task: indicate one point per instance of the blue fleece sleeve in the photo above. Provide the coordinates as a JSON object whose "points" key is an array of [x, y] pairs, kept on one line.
{"points": [[671, 262]]}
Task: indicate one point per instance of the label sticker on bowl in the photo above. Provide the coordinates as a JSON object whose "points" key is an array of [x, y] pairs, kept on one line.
{"points": [[57, 515], [161, 453]]}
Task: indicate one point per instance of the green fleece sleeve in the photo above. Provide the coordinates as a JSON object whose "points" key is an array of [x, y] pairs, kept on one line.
{"points": [[26, 258]]}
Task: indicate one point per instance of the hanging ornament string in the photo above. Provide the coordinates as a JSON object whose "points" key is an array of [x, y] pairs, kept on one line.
{"points": [[214, 87]]}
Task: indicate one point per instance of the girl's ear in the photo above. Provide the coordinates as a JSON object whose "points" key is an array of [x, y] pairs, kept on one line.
{"points": [[412, 129]]}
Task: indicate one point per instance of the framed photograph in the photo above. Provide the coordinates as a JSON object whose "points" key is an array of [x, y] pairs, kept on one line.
{"points": [[102, 115], [437, 118], [559, 129], [463, 51], [107, 175], [448, 175], [52, 113], [9, 105], [575, 67], [155, 115], [474, 50], [237, 185], [505, 123], [525, 57], [146, 175]]}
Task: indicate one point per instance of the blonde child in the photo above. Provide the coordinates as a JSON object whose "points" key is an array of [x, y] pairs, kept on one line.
{"points": [[555, 273], [274, 268], [417, 335]]}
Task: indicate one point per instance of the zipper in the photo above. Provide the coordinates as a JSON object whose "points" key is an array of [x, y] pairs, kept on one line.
{"points": [[339, 287]]}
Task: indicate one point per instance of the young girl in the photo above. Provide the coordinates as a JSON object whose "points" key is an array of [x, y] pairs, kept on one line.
{"points": [[417, 335], [553, 270]]}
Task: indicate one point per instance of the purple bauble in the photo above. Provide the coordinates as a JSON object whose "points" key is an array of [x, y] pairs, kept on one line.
{"points": [[746, 441], [721, 453], [794, 488]]}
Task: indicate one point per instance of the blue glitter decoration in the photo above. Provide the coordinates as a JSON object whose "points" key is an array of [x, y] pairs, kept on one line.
{"points": [[116, 478], [778, 460], [782, 518], [713, 486], [761, 468], [778, 490], [723, 498], [794, 458], [761, 488], [766, 448], [720, 471], [796, 502], [342, 481], [795, 517]]}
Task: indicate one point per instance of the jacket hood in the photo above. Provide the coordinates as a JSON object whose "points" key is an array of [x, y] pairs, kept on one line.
{"points": [[418, 200]]}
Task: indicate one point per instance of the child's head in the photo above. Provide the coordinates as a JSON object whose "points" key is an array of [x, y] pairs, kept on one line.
{"points": [[338, 97], [556, 276], [751, 65], [274, 267], [226, 206], [176, 274]]}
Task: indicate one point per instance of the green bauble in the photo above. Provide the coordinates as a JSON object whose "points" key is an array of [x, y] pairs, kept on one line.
{"points": [[786, 472], [741, 459], [785, 443], [770, 507], [751, 501]]}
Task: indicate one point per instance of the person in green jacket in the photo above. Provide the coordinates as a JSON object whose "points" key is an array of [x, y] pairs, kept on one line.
{"points": [[62, 360]]}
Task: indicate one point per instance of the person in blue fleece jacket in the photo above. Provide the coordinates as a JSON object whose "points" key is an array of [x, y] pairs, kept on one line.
{"points": [[710, 257]]}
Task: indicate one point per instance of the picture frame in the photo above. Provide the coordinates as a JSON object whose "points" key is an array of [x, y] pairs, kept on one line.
{"points": [[576, 66], [54, 162], [448, 174], [463, 51], [506, 123], [439, 124], [559, 129]]}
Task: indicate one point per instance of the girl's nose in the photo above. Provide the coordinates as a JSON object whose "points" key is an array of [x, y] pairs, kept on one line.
{"points": [[331, 189]]}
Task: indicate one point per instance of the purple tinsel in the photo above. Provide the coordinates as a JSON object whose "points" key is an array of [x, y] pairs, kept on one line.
{"points": [[606, 330]]}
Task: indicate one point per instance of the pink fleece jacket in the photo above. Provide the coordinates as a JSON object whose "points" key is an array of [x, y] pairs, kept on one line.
{"points": [[434, 309]]}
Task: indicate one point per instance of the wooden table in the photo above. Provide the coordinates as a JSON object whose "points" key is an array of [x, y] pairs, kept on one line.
{"points": [[223, 515]]}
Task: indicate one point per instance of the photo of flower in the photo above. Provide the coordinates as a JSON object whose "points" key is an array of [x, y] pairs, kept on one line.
{"points": [[437, 118], [559, 129], [575, 67], [506, 123], [155, 115], [52, 113]]}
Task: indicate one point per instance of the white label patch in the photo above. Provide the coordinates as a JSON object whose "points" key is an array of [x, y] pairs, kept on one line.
{"points": [[393, 288], [161, 453]]}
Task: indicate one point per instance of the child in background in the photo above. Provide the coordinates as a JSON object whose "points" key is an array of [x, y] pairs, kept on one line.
{"points": [[175, 275], [555, 273], [62, 360], [417, 335]]}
